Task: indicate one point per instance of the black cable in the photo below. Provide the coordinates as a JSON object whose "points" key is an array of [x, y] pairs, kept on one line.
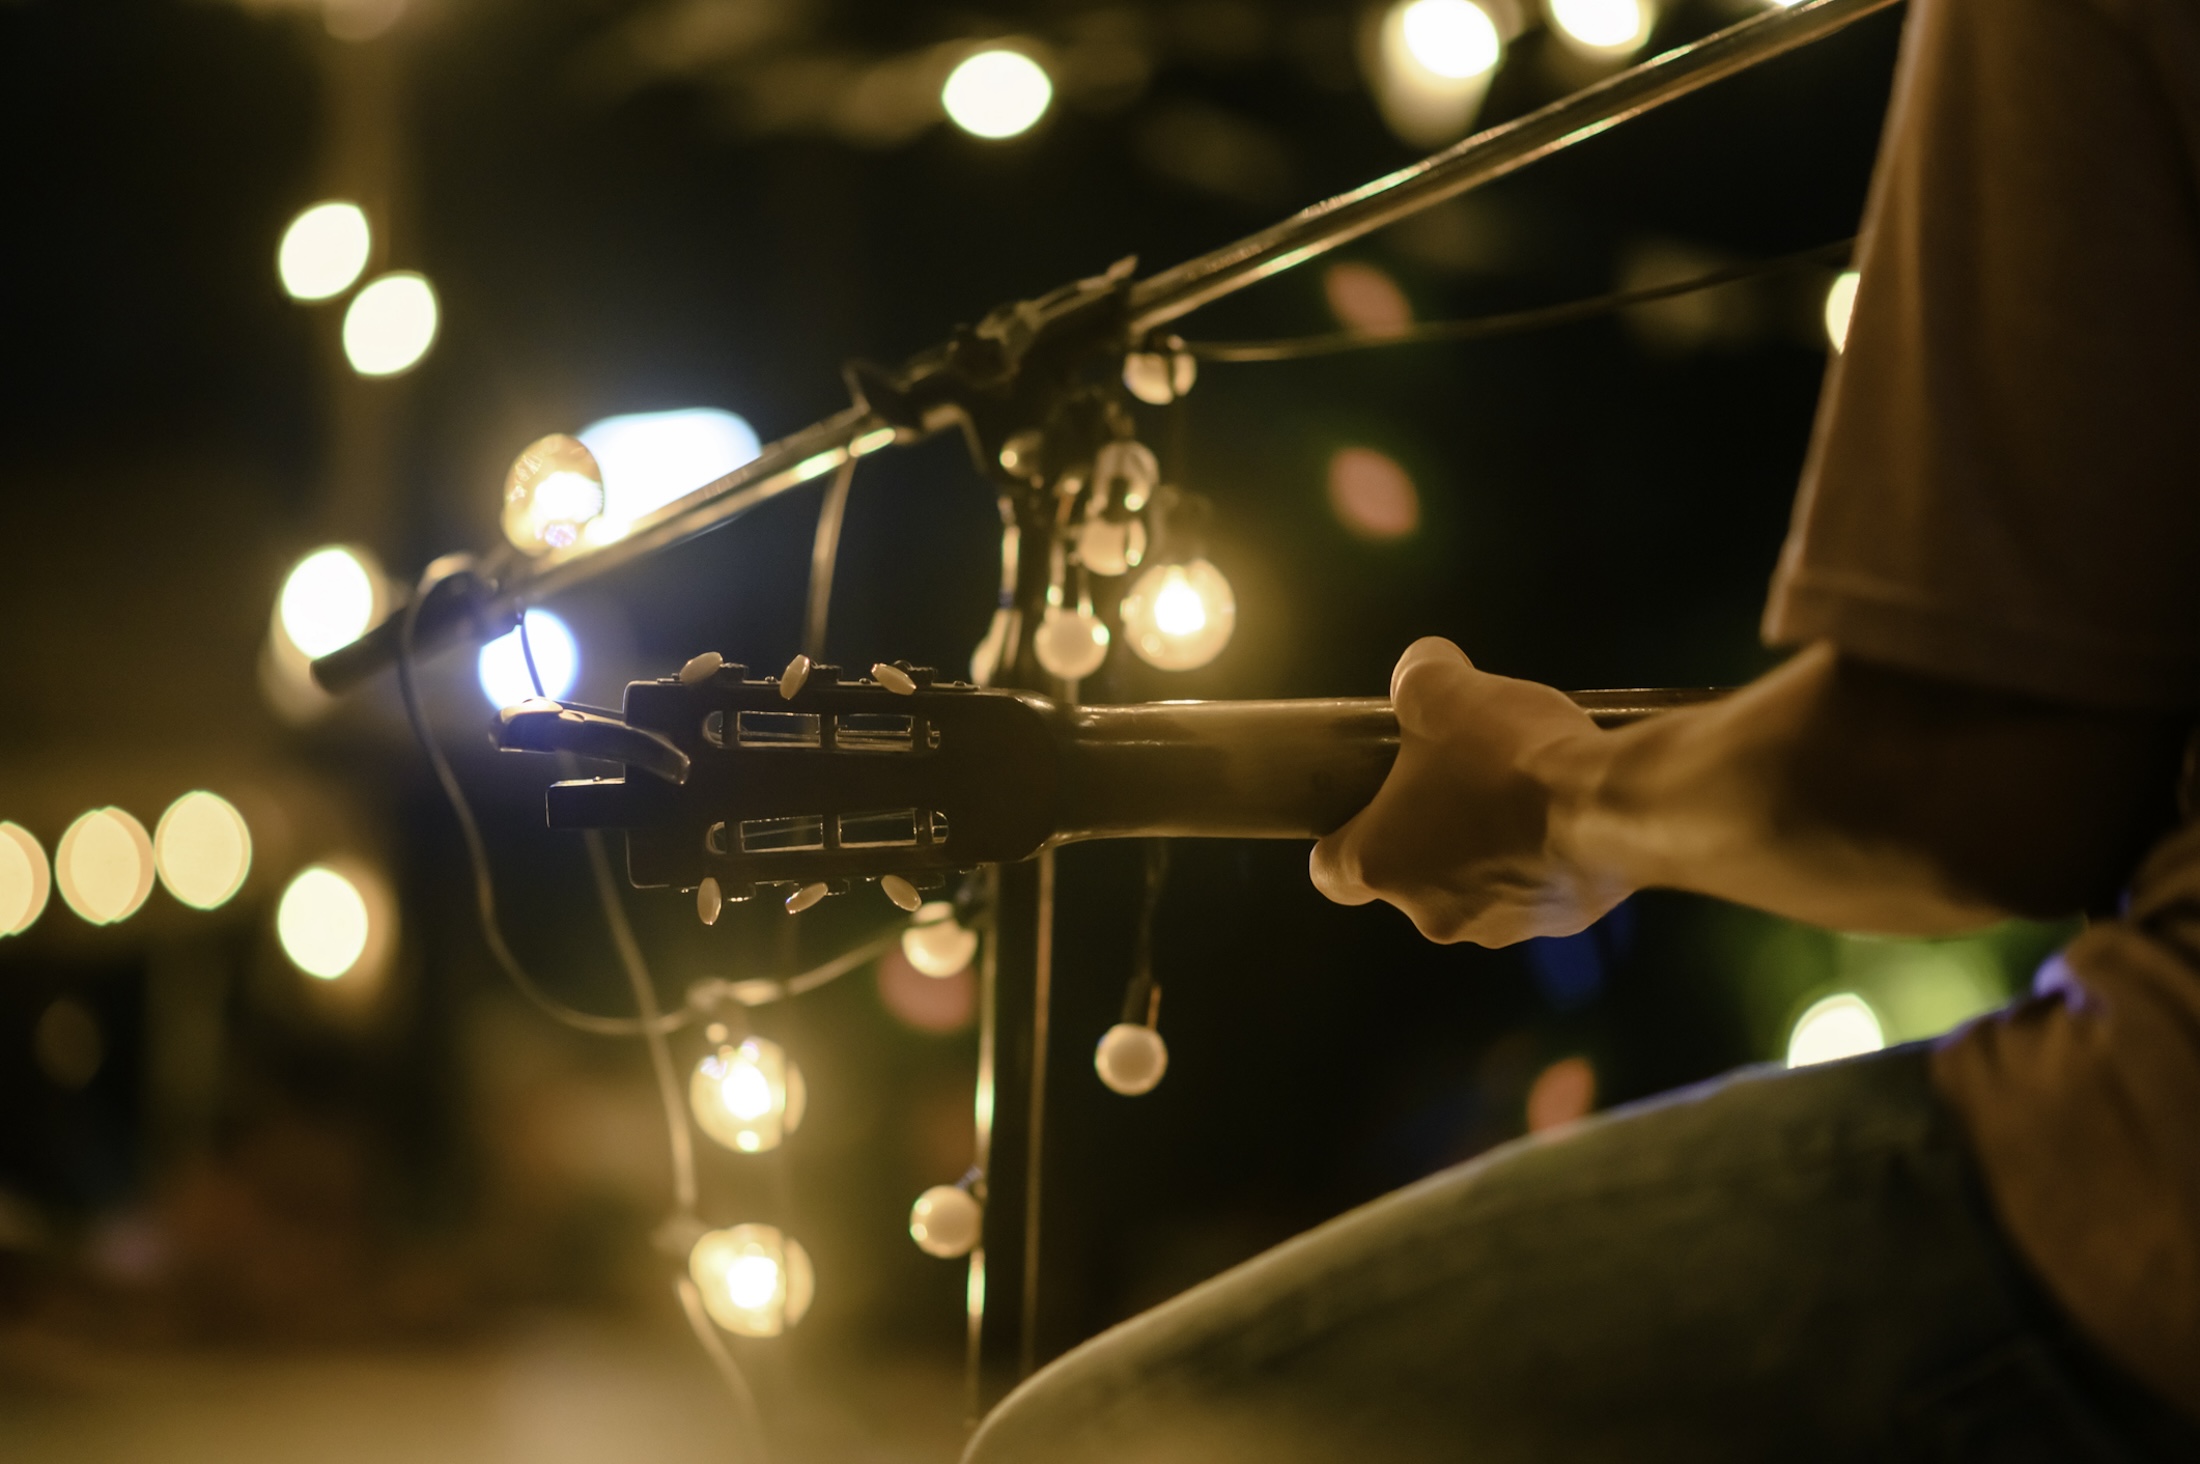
{"points": [[1299, 348]]}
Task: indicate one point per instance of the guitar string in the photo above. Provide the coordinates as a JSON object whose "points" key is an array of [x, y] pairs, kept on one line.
{"points": [[1484, 327]]}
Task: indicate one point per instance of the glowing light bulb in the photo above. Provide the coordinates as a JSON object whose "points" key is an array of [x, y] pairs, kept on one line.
{"points": [[324, 922], [390, 324], [323, 250], [1840, 307], [936, 943], [650, 458], [1178, 617], [1070, 643], [25, 882], [1453, 39], [749, 1097], [1131, 1058], [755, 1280], [1842, 1025], [502, 665], [1606, 27], [1111, 546], [104, 866], [553, 492], [202, 850], [328, 600], [997, 94], [945, 1221]]}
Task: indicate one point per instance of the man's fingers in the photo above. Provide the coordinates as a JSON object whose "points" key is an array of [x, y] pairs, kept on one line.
{"points": [[1335, 866], [1431, 674]]}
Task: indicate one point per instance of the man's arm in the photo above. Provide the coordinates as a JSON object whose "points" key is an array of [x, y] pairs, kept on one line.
{"points": [[1829, 791]]}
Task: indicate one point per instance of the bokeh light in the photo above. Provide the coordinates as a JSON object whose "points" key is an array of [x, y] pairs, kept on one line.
{"points": [[324, 250], [1453, 39], [1372, 495], [946, 1221], [1607, 27], [1834, 1027], [25, 881], [755, 1281], [103, 866], [1178, 617], [502, 665], [1563, 1093], [1366, 299], [202, 849], [997, 94], [936, 943], [748, 1097], [924, 1002], [390, 324], [648, 459], [1840, 307], [328, 600], [553, 493], [324, 922]]}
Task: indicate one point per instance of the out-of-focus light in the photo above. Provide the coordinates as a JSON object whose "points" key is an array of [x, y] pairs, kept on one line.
{"points": [[25, 882], [328, 600], [755, 1281], [1372, 495], [553, 493], [324, 250], [1563, 1093], [1840, 306], [324, 922], [748, 1097], [202, 850], [1453, 39], [936, 943], [936, 1004], [1842, 1025], [1131, 1059], [997, 94], [1070, 642], [104, 866], [945, 1221], [1178, 617], [502, 665], [650, 458], [390, 324], [1366, 299], [1607, 27]]}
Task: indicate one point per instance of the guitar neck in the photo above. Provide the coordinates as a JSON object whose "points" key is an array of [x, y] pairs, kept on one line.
{"points": [[1251, 769]]}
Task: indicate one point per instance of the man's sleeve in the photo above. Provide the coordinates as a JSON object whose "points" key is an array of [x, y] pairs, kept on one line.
{"points": [[2004, 486]]}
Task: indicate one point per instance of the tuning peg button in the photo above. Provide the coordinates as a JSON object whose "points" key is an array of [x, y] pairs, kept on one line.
{"points": [[793, 678], [893, 678], [708, 900], [900, 891], [701, 668], [802, 899]]}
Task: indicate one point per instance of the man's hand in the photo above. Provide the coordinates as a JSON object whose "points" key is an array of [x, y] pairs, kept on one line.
{"points": [[1461, 836]]}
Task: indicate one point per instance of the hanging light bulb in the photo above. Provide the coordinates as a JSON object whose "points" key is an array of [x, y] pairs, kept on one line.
{"points": [[1112, 539], [945, 1221], [936, 943], [1070, 642], [756, 1281], [551, 495], [1178, 617], [1131, 1058], [748, 1097]]}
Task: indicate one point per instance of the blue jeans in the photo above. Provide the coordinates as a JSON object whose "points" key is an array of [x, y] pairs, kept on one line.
{"points": [[1775, 1266]]}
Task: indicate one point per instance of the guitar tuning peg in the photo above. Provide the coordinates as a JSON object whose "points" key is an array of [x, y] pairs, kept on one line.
{"points": [[701, 668], [901, 892], [795, 677], [708, 900], [803, 898], [893, 678]]}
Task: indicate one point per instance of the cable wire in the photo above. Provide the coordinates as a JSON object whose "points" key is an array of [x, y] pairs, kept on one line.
{"points": [[824, 556], [1300, 348]]}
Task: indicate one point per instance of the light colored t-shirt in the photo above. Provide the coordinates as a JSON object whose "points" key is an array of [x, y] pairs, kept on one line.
{"points": [[2004, 490]]}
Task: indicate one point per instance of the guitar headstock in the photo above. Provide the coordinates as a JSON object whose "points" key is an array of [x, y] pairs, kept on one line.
{"points": [[809, 778]]}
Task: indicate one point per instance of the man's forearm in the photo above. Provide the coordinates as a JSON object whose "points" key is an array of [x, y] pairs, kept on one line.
{"points": [[1865, 799]]}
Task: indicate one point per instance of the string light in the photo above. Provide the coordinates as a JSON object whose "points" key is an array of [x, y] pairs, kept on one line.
{"points": [[324, 250], [1838, 1026], [1602, 27], [202, 850], [749, 1097], [325, 922], [936, 943], [1432, 63], [553, 492], [328, 600], [25, 882], [1178, 617], [501, 667], [1840, 307], [1131, 1058], [946, 1221], [755, 1280], [648, 459], [104, 866], [389, 325], [997, 94], [1453, 39]]}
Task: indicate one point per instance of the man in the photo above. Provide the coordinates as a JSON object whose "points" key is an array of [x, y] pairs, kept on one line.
{"points": [[1989, 1249]]}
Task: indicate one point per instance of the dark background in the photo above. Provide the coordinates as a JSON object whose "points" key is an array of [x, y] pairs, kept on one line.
{"points": [[617, 226]]}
